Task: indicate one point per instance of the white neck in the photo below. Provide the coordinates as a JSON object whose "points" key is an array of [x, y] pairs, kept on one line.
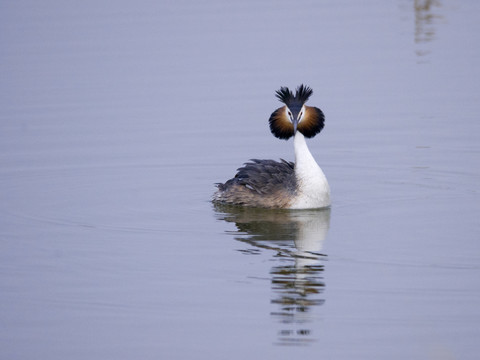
{"points": [[312, 186], [303, 156]]}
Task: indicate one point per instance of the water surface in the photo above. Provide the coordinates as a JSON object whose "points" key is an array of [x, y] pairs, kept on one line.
{"points": [[117, 119]]}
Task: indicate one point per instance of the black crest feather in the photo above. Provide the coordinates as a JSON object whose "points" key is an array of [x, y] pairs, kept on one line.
{"points": [[286, 96], [303, 93]]}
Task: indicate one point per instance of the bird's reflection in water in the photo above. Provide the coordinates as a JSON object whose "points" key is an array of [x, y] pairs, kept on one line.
{"points": [[296, 240]]}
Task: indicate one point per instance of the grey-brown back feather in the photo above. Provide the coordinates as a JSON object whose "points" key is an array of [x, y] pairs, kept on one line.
{"points": [[260, 183]]}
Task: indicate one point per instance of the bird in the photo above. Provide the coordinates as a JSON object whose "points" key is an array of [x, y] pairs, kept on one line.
{"points": [[283, 184]]}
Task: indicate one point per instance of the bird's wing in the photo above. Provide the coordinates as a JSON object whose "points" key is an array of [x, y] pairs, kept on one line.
{"points": [[266, 176], [260, 183]]}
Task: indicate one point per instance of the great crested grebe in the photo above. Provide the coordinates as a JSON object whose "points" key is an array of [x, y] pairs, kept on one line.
{"points": [[284, 184]]}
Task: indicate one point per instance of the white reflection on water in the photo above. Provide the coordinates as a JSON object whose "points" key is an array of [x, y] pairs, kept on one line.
{"points": [[295, 239]]}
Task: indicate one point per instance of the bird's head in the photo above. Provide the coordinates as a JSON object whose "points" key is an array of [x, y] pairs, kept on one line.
{"points": [[295, 115]]}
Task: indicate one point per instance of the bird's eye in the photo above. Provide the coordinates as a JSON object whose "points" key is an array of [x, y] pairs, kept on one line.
{"points": [[289, 114]]}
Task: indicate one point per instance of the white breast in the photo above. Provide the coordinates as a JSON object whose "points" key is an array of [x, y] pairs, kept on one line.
{"points": [[312, 185]]}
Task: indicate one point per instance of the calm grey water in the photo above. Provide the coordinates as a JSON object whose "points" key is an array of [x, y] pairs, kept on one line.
{"points": [[117, 117]]}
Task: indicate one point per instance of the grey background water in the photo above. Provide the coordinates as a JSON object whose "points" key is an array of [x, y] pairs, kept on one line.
{"points": [[117, 117]]}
